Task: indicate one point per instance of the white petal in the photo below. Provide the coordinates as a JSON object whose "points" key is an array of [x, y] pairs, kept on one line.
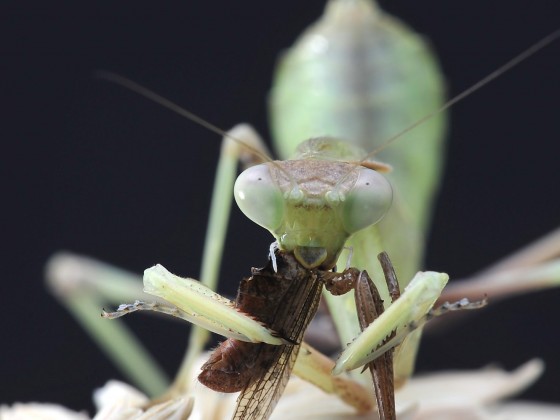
{"points": [[118, 393], [528, 411], [464, 394], [39, 411]]}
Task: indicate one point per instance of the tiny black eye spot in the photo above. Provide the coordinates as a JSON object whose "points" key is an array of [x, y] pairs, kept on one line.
{"points": [[367, 183], [259, 179]]}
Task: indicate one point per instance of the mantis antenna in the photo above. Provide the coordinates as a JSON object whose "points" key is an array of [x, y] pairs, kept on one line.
{"points": [[166, 103], [467, 92]]}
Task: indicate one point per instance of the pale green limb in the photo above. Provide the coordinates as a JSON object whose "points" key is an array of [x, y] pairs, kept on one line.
{"points": [[84, 286], [315, 368], [532, 268], [542, 250], [197, 303], [506, 283], [415, 302], [230, 154], [403, 333], [214, 326], [205, 308]]}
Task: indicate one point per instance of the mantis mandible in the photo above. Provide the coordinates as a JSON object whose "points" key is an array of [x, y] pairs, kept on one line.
{"points": [[358, 247]]}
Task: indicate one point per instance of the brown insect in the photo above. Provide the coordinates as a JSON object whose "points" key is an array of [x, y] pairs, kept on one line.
{"points": [[286, 301]]}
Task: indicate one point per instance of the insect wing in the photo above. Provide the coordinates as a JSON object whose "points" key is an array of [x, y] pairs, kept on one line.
{"points": [[299, 291], [260, 398]]}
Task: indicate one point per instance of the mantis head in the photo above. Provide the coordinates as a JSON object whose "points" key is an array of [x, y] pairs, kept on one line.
{"points": [[313, 204]]}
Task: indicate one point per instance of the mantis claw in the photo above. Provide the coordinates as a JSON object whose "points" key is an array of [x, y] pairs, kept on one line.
{"points": [[460, 305], [416, 301], [194, 302], [412, 311]]}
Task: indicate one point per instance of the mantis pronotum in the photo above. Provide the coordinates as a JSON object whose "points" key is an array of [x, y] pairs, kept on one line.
{"points": [[251, 262]]}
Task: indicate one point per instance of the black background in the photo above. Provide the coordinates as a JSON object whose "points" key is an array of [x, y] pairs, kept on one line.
{"points": [[92, 168]]}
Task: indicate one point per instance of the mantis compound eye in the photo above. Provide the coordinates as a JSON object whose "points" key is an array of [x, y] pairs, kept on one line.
{"points": [[367, 202], [259, 197]]}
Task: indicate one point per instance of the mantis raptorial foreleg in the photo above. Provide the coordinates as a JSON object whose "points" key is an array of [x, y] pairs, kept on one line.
{"points": [[311, 365], [188, 296], [193, 302]]}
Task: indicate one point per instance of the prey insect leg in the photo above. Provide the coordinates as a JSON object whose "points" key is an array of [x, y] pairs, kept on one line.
{"points": [[369, 306]]}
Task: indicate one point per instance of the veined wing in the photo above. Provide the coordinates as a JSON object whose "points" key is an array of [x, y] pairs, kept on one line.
{"points": [[294, 311], [259, 399]]}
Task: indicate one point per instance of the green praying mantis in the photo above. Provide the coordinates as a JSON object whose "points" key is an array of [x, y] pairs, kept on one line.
{"points": [[413, 230]]}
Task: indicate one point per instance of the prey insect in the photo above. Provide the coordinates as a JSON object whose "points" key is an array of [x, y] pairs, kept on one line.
{"points": [[286, 299]]}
